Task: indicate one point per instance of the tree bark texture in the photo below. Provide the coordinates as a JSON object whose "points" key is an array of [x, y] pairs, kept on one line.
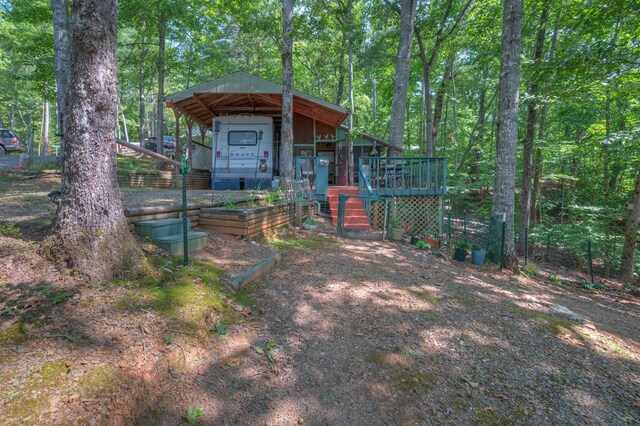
{"points": [[507, 128], [442, 90], [45, 129], [535, 201], [62, 58], [426, 89], [286, 144], [90, 233], [142, 114], [631, 235], [532, 112], [480, 123], [427, 66], [401, 80], [160, 99], [350, 165]]}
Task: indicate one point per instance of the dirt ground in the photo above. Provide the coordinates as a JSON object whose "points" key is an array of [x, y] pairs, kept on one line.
{"points": [[343, 331]]}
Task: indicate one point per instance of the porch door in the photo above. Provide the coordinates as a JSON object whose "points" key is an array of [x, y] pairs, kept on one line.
{"points": [[341, 163]]}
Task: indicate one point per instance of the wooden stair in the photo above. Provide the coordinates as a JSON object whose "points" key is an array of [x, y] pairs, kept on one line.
{"points": [[168, 235], [355, 215]]}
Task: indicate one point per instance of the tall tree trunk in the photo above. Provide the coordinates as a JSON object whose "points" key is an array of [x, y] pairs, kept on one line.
{"points": [[350, 165], [90, 233], [162, 24], [426, 89], [286, 145], [605, 183], [537, 173], [482, 118], [507, 133], [631, 235], [340, 91], [427, 64], [45, 129], [480, 123], [401, 80], [374, 87], [142, 116], [62, 59], [12, 111], [124, 124], [154, 114], [442, 90], [532, 110], [31, 134]]}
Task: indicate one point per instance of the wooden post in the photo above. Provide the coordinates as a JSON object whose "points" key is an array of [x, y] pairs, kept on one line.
{"points": [[203, 129], [189, 123], [176, 114]]}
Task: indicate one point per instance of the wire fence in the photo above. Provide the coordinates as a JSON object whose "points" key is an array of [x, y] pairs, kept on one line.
{"points": [[570, 245]]}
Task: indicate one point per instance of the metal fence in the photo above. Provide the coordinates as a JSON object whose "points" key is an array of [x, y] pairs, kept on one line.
{"points": [[570, 247]]}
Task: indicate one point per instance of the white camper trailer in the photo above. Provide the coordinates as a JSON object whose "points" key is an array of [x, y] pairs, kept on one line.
{"points": [[242, 152]]}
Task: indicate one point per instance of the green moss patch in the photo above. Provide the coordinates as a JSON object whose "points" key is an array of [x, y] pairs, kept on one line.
{"points": [[6, 371], [491, 416], [13, 334], [463, 299], [101, 381], [10, 229], [423, 295], [26, 403], [289, 239], [408, 380], [192, 296], [553, 323]]}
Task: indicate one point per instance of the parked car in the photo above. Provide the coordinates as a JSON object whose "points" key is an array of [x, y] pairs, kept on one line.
{"points": [[9, 141], [168, 143]]}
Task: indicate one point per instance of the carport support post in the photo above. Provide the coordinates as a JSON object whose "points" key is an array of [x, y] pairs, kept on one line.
{"points": [[184, 169]]}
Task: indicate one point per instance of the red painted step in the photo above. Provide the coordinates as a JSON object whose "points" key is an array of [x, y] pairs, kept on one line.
{"points": [[355, 215]]}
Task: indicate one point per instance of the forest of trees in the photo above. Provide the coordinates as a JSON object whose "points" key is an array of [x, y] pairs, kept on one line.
{"points": [[578, 121]]}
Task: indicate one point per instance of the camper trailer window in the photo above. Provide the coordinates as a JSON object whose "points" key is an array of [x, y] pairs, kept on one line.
{"points": [[243, 138]]}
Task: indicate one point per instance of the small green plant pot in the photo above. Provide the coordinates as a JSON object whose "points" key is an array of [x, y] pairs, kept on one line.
{"points": [[395, 234], [414, 240], [460, 255], [477, 257]]}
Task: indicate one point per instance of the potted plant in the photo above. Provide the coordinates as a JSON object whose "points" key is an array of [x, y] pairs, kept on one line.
{"points": [[406, 236], [415, 238], [478, 255], [432, 240], [310, 224], [423, 245], [395, 229], [461, 251]]}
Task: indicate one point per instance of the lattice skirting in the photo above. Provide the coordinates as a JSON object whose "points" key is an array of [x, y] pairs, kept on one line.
{"points": [[423, 213]]}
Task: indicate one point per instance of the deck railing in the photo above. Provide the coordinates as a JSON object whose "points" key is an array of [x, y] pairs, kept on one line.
{"points": [[402, 176]]}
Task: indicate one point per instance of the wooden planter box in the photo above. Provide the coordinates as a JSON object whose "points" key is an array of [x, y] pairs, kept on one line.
{"points": [[245, 222]]}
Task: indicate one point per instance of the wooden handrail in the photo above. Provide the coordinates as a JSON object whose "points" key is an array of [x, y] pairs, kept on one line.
{"points": [[148, 152]]}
